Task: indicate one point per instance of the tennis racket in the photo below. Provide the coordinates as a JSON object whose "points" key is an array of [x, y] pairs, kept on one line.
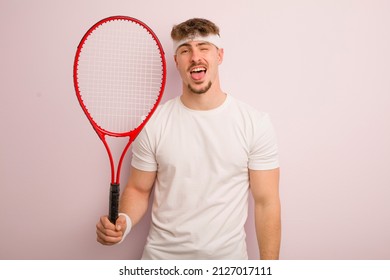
{"points": [[119, 77]]}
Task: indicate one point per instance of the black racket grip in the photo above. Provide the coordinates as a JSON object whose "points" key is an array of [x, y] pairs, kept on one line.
{"points": [[114, 203]]}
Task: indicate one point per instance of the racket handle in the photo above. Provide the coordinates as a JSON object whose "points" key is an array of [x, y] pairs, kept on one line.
{"points": [[114, 203]]}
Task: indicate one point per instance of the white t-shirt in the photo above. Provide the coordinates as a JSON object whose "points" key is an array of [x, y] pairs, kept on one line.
{"points": [[201, 191]]}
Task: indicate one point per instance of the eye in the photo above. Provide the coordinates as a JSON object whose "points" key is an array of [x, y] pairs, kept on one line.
{"points": [[204, 47]]}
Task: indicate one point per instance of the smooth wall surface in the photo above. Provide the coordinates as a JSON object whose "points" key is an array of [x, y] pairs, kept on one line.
{"points": [[319, 68]]}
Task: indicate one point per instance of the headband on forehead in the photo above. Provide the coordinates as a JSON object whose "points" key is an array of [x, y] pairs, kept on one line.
{"points": [[211, 38]]}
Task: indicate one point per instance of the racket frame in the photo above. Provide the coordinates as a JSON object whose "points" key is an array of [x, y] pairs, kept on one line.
{"points": [[102, 133]]}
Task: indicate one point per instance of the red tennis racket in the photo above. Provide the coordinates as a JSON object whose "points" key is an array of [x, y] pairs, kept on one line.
{"points": [[119, 76]]}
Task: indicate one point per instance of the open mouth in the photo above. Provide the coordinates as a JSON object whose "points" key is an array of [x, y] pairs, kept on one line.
{"points": [[198, 73]]}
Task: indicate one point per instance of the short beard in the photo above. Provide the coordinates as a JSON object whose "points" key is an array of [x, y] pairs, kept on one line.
{"points": [[202, 90]]}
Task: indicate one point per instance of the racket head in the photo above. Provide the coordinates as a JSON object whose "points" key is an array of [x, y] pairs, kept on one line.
{"points": [[119, 75]]}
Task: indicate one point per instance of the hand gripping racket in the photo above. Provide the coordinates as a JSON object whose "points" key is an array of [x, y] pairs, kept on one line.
{"points": [[119, 76]]}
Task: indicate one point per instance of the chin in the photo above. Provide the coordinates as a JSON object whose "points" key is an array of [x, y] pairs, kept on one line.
{"points": [[200, 90]]}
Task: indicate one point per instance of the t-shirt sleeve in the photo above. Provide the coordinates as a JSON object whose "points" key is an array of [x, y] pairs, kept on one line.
{"points": [[263, 154], [143, 154]]}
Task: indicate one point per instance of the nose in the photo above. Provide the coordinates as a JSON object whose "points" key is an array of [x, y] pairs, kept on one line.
{"points": [[195, 57]]}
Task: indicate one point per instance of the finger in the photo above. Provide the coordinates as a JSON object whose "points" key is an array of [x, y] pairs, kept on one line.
{"points": [[107, 231], [106, 223], [105, 242], [106, 239]]}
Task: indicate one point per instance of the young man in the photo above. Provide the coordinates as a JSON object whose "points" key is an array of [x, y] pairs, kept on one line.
{"points": [[202, 152]]}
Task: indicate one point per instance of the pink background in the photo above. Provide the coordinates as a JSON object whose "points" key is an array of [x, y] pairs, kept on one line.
{"points": [[320, 68]]}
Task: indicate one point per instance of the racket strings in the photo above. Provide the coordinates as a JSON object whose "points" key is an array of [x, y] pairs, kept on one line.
{"points": [[120, 75]]}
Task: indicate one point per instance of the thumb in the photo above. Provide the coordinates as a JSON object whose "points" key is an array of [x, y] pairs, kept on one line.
{"points": [[120, 224]]}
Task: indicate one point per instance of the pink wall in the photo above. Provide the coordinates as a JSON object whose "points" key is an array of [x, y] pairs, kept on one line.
{"points": [[320, 68]]}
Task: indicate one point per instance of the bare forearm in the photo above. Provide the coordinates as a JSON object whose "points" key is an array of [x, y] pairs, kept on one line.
{"points": [[135, 198], [268, 230], [134, 203]]}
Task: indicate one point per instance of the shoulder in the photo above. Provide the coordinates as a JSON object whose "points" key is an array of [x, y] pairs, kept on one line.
{"points": [[163, 111], [145, 143]]}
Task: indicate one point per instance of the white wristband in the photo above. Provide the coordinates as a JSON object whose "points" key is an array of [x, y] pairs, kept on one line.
{"points": [[129, 225]]}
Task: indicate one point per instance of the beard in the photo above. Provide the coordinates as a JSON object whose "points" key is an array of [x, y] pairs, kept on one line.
{"points": [[201, 90]]}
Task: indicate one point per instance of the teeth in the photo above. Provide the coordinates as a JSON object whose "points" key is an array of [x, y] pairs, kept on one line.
{"points": [[198, 69]]}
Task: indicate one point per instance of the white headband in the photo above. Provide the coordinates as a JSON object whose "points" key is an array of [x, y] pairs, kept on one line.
{"points": [[212, 38]]}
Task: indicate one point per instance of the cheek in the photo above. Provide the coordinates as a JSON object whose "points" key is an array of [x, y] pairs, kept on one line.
{"points": [[181, 69], [178, 61]]}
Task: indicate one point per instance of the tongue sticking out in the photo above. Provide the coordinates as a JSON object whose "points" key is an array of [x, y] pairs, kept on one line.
{"points": [[198, 75]]}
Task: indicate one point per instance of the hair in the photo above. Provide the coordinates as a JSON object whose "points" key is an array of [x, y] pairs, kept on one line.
{"points": [[192, 28]]}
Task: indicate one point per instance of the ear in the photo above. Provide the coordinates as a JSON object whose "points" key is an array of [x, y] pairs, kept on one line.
{"points": [[175, 58], [220, 55]]}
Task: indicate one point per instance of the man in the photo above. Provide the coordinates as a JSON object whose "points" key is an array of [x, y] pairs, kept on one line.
{"points": [[203, 152]]}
